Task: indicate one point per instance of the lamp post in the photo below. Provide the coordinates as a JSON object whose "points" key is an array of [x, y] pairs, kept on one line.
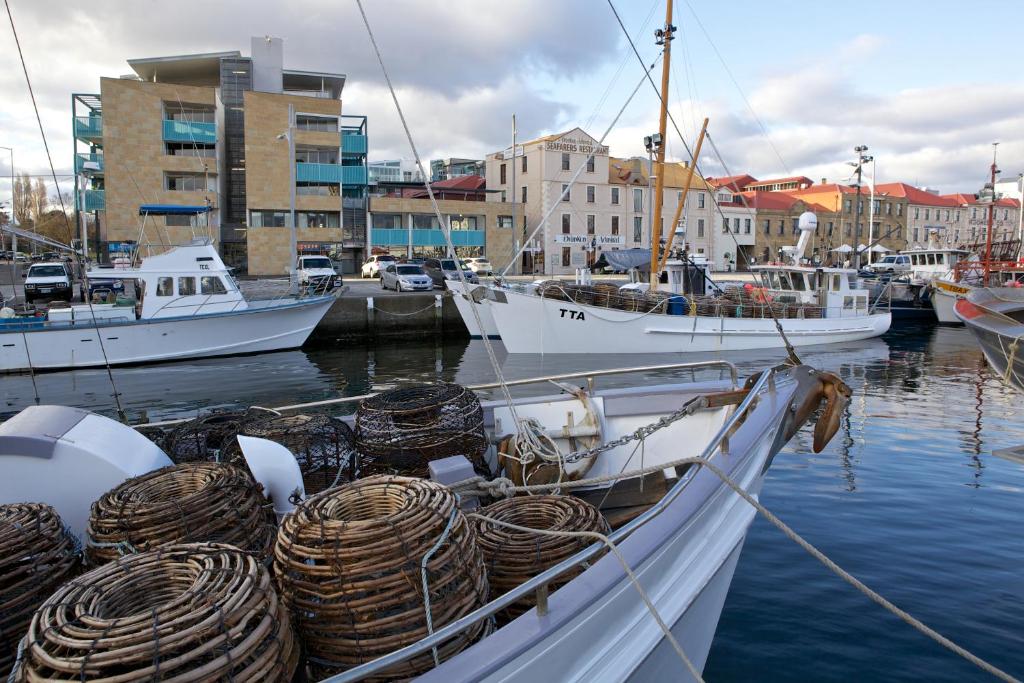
{"points": [[859, 166], [289, 135], [14, 236]]}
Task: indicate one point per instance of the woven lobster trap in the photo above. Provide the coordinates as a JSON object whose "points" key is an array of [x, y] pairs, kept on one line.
{"points": [[400, 431], [349, 563], [200, 439], [514, 556], [191, 502], [37, 554], [323, 446], [191, 612]]}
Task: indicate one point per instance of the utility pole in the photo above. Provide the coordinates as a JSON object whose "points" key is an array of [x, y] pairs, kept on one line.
{"points": [[14, 203], [859, 166], [871, 213], [663, 36]]}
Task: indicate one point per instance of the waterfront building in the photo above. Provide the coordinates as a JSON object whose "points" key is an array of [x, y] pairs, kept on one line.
{"points": [[850, 215], [927, 213], [970, 224], [607, 207], [394, 171], [403, 222], [748, 183], [446, 169], [216, 130], [776, 225]]}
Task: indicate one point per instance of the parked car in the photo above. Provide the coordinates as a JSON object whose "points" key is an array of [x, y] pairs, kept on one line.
{"points": [[372, 266], [480, 265], [893, 263], [47, 282], [101, 287], [443, 269], [405, 277], [21, 257], [317, 273]]}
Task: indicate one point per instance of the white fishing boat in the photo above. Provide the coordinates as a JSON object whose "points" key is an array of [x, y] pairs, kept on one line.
{"points": [[187, 305], [812, 305], [466, 295]]}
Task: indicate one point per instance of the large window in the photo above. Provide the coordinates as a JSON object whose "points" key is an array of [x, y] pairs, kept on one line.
{"points": [[186, 286], [327, 124], [268, 219], [615, 225], [501, 173], [700, 200], [565, 163], [638, 200], [318, 189], [318, 219], [187, 149], [462, 222], [565, 254], [316, 155], [638, 228], [425, 221], [387, 221], [504, 221], [591, 218], [190, 182], [566, 193], [165, 286], [590, 164], [615, 195], [746, 226], [591, 194], [193, 113], [566, 223], [700, 227], [211, 284]]}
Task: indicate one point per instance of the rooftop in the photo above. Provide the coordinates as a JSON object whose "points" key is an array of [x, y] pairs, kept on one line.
{"points": [[197, 69], [914, 195]]}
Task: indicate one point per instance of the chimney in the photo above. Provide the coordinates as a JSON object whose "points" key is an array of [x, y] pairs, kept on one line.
{"points": [[686, 164], [824, 181]]}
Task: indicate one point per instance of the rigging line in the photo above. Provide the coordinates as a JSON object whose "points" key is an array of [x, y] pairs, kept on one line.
{"points": [[691, 78], [445, 228], [743, 96], [579, 170], [67, 222]]}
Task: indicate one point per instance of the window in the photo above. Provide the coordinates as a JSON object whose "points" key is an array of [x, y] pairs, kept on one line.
{"points": [[318, 189], [974, 212], [679, 197], [957, 215], [638, 229], [190, 182], [187, 149], [615, 195], [590, 164], [178, 221], [700, 227], [425, 221], [796, 225], [782, 226], [860, 206], [899, 209], [460, 222], [327, 124], [638, 200], [915, 234], [318, 219], [503, 179], [565, 164], [504, 221], [725, 224], [736, 225], [590, 223], [591, 194], [316, 155], [524, 163], [268, 219], [830, 228], [504, 196], [767, 226], [566, 192], [1006, 214], [947, 214], [565, 256], [211, 284], [391, 221], [523, 199], [566, 223], [888, 208], [746, 226], [700, 200], [165, 286], [186, 286], [193, 113], [849, 230], [848, 205], [615, 225], [876, 206]]}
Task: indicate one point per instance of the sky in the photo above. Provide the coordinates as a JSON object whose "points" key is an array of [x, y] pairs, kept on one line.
{"points": [[789, 88]]}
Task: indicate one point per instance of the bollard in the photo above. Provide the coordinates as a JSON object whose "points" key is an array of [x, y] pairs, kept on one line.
{"points": [[437, 316], [370, 315]]}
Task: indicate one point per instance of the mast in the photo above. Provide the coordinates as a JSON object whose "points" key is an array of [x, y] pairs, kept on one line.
{"points": [[663, 37], [686, 192], [514, 223], [991, 213]]}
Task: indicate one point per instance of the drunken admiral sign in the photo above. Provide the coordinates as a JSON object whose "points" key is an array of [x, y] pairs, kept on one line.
{"points": [[586, 239]]}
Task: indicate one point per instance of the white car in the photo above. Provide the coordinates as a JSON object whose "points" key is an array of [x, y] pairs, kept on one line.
{"points": [[405, 277], [47, 282], [893, 263], [372, 266], [480, 265], [318, 273]]}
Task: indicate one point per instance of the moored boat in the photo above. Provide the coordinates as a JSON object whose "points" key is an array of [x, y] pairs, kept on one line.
{"points": [[995, 316]]}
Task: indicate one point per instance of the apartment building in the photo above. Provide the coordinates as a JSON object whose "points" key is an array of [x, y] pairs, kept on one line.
{"points": [[851, 211], [969, 228], [606, 207], [394, 171], [255, 142], [453, 167]]}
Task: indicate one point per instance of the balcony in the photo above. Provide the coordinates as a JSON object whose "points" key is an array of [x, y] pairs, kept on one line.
{"points": [[94, 200], [353, 143], [89, 128], [90, 163], [190, 131], [383, 237], [330, 173]]}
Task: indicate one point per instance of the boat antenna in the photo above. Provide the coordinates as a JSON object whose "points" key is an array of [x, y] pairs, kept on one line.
{"points": [[991, 212], [42, 132]]}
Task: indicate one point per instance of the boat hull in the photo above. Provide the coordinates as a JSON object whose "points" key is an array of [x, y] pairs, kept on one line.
{"points": [[465, 306], [992, 316], [532, 324], [944, 297], [253, 330]]}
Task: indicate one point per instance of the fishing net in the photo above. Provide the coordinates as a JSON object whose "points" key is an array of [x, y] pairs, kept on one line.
{"points": [[348, 563], [192, 502], [323, 446], [402, 430], [513, 557], [191, 612], [37, 554]]}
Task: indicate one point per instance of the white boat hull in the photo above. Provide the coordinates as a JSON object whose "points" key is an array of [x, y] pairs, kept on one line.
{"points": [[269, 327], [944, 297], [465, 307], [532, 324]]}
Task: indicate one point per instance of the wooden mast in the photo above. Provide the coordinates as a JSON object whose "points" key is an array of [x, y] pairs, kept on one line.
{"points": [[664, 37], [686, 192]]}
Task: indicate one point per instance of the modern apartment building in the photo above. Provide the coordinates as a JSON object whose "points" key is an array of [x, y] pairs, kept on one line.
{"points": [[394, 171], [607, 207], [255, 142], [453, 167]]}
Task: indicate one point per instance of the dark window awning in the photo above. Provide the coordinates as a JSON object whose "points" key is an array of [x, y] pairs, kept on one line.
{"points": [[172, 210]]}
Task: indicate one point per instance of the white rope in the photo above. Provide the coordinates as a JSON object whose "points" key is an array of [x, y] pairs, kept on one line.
{"points": [[423, 574], [625, 566]]}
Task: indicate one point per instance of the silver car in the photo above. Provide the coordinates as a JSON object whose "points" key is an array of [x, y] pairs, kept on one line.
{"points": [[405, 277]]}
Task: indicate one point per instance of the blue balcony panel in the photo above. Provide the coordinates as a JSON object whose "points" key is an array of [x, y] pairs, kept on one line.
{"points": [[94, 161], [94, 200], [385, 237], [89, 127], [190, 131], [353, 143]]}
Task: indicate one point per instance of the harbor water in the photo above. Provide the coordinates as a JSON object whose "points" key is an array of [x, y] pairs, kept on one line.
{"points": [[907, 496]]}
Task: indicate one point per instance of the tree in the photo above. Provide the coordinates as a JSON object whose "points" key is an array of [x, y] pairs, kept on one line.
{"points": [[39, 200], [22, 200], [54, 224]]}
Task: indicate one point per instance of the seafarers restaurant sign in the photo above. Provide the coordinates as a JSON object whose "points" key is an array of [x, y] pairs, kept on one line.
{"points": [[582, 145]]}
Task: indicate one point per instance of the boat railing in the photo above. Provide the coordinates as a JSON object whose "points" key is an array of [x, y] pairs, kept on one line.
{"points": [[539, 583], [588, 375], [886, 293]]}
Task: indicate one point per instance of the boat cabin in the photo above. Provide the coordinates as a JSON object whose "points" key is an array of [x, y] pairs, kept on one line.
{"points": [[836, 290], [926, 264]]}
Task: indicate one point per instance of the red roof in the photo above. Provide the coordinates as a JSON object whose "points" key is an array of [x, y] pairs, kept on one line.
{"points": [[914, 195], [462, 182], [962, 199], [826, 188], [733, 182], [798, 179]]}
